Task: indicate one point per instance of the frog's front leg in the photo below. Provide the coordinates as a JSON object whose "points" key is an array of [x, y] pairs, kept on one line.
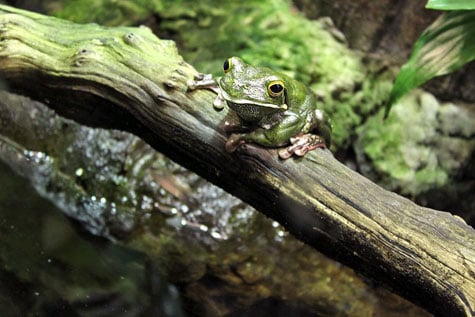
{"points": [[301, 144], [315, 134], [206, 81], [203, 81]]}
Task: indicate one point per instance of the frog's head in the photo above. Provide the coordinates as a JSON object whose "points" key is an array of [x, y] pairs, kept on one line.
{"points": [[252, 92]]}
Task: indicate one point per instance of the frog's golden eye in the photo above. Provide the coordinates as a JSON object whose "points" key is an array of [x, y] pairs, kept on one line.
{"points": [[275, 88], [227, 65]]}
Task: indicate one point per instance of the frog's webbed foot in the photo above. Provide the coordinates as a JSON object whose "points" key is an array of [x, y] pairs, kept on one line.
{"points": [[301, 144], [206, 81]]}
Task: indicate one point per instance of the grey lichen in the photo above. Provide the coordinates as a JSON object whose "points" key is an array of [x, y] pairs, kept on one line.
{"points": [[422, 145]]}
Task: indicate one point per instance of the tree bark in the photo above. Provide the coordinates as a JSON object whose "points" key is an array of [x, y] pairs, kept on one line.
{"points": [[128, 79]]}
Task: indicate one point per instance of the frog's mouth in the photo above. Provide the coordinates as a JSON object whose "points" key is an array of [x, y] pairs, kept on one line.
{"points": [[249, 110], [248, 102]]}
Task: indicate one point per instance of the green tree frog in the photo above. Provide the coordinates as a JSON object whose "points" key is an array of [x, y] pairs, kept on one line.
{"points": [[274, 110]]}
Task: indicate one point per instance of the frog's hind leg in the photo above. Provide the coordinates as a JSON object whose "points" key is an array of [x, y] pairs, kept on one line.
{"points": [[257, 136], [275, 137]]}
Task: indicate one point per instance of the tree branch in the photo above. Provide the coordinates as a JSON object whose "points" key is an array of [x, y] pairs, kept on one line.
{"points": [[126, 78]]}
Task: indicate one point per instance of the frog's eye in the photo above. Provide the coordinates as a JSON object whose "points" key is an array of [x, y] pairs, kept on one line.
{"points": [[275, 88], [227, 65]]}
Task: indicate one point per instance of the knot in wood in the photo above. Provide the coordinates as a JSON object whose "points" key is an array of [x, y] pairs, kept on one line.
{"points": [[132, 39], [82, 56]]}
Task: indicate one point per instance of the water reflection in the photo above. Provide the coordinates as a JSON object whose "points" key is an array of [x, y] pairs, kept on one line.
{"points": [[50, 269]]}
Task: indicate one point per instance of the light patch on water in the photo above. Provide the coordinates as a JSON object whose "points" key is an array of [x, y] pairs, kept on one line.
{"points": [[216, 235], [147, 203], [79, 172], [37, 157], [113, 209]]}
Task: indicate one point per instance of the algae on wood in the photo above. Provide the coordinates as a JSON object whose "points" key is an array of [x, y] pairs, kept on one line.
{"points": [[126, 78]]}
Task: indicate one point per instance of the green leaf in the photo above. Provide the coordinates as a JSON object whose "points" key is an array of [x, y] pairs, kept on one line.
{"points": [[451, 4], [445, 46]]}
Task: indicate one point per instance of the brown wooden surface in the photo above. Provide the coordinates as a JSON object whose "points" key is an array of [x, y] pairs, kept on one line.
{"points": [[126, 78]]}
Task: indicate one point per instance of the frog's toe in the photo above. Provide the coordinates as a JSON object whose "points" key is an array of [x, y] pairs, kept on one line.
{"points": [[301, 144], [203, 81], [285, 154]]}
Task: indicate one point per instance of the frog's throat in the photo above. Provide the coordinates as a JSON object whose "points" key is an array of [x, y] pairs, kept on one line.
{"points": [[227, 97]]}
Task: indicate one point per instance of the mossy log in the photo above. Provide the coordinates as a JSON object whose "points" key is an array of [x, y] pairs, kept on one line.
{"points": [[126, 78]]}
